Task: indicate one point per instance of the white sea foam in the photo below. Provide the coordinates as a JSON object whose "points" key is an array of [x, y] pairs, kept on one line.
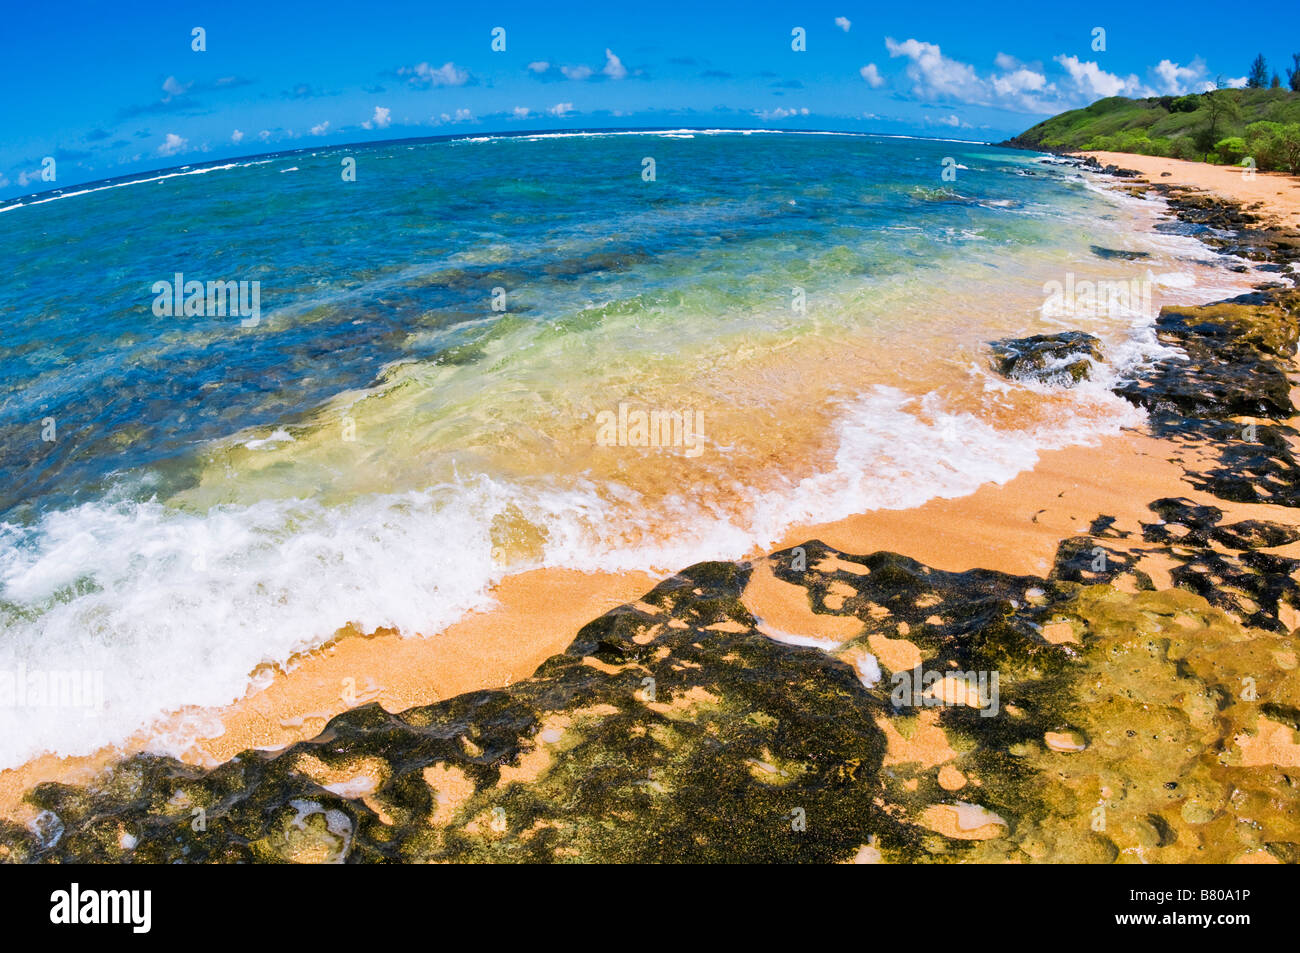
{"points": [[184, 170], [177, 608]]}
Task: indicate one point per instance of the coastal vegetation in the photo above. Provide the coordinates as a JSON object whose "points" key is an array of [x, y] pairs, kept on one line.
{"points": [[1223, 126]]}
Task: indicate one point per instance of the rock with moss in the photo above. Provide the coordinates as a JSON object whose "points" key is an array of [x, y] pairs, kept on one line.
{"points": [[1064, 359]]}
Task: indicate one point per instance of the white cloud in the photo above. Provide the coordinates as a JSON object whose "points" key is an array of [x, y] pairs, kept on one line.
{"points": [[843, 23], [172, 145], [462, 115], [173, 88], [264, 135], [519, 112], [1238, 83], [1091, 79], [321, 129], [1021, 87], [935, 76], [780, 112], [381, 119], [539, 66], [561, 109], [1019, 81], [614, 67], [576, 72], [4, 180], [422, 74], [938, 77], [236, 136], [1067, 82], [1177, 79]]}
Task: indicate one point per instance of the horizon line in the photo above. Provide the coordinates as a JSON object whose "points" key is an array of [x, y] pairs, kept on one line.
{"points": [[47, 194]]}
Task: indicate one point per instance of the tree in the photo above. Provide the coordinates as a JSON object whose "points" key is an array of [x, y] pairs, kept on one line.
{"points": [[1275, 83], [1220, 106], [1289, 148], [1293, 74], [1258, 77]]}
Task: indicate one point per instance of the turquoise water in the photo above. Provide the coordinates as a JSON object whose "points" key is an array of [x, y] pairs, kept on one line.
{"points": [[383, 445], [400, 265]]}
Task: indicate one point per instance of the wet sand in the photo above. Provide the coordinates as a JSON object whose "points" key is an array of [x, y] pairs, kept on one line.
{"points": [[1013, 527]]}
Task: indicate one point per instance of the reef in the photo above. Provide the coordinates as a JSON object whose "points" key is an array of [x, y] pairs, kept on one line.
{"points": [[675, 729], [1087, 715]]}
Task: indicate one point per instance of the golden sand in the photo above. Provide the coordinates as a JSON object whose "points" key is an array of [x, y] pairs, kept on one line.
{"points": [[1278, 192], [1014, 527]]}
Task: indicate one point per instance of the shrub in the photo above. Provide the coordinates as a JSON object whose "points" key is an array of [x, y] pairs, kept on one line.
{"points": [[1160, 146], [1230, 150], [1287, 143], [1262, 143]]}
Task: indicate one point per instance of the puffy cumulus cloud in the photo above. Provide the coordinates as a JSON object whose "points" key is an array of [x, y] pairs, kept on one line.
{"points": [[872, 75], [1025, 87], [935, 76], [422, 74], [614, 67], [519, 112], [237, 137], [461, 115], [1093, 81], [780, 112], [381, 119], [321, 129], [561, 110], [1018, 82], [843, 23], [172, 145], [1177, 80]]}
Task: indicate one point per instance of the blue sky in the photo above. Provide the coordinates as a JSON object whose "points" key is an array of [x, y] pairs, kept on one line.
{"points": [[114, 89]]}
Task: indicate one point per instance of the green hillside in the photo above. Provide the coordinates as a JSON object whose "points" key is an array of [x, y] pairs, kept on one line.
{"points": [[1225, 126]]}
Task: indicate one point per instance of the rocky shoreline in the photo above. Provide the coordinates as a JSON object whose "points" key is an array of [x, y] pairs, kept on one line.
{"points": [[1131, 721]]}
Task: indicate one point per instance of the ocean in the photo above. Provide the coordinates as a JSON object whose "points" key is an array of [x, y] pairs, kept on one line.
{"points": [[487, 355]]}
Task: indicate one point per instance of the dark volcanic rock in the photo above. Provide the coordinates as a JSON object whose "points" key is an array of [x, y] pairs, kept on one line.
{"points": [[1252, 585], [1064, 358], [673, 729], [1232, 366]]}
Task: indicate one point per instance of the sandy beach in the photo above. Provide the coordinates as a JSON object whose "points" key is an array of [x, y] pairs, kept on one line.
{"points": [[1274, 196], [1016, 528]]}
